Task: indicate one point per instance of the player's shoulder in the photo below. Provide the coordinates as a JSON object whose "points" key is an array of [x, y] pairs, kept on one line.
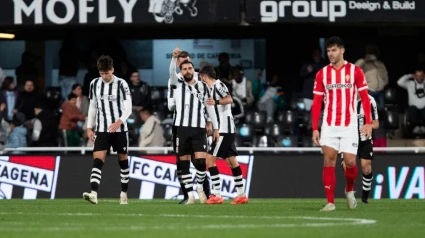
{"points": [[95, 80]]}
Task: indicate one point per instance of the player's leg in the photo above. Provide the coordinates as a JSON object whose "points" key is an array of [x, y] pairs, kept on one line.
{"points": [[199, 147], [330, 148], [179, 169], [206, 184], [184, 150], [120, 145], [349, 148], [101, 146], [366, 156], [215, 196], [238, 179]]}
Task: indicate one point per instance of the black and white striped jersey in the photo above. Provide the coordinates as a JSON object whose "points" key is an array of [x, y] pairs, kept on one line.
{"points": [[224, 112], [109, 98], [361, 117], [190, 105]]}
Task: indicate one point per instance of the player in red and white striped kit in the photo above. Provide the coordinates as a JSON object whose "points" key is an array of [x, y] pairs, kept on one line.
{"points": [[337, 84]]}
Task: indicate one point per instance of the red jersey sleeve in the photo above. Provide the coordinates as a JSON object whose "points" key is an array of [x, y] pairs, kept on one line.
{"points": [[360, 79], [319, 87]]}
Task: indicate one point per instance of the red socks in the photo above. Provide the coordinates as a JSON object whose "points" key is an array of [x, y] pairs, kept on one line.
{"points": [[329, 182], [350, 175]]}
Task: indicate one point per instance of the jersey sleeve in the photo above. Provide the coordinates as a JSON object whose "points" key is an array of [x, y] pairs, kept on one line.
{"points": [[92, 94], [360, 79], [125, 90], [319, 87], [374, 110], [222, 90]]}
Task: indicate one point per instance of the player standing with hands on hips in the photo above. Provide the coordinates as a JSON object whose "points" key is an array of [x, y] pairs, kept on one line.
{"points": [[110, 105], [339, 82]]}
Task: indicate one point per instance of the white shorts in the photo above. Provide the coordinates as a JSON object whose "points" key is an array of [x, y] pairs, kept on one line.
{"points": [[342, 139]]}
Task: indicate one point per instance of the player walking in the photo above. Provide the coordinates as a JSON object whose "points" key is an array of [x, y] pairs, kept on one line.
{"points": [[110, 104], [179, 58], [339, 82], [225, 146], [365, 151], [190, 121]]}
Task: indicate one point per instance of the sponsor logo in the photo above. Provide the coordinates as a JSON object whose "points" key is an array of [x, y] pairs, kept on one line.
{"points": [[161, 170], [163, 10], [355, 145], [339, 86], [408, 182], [271, 11], [108, 97], [34, 173]]}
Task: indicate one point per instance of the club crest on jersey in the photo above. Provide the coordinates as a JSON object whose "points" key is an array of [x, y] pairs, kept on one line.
{"points": [[347, 78]]}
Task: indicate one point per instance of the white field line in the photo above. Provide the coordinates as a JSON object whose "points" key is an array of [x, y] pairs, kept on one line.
{"points": [[330, 221]]}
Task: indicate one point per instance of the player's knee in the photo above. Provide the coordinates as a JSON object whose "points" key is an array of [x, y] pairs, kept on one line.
{"points": [[366, 168], [232, 162]]}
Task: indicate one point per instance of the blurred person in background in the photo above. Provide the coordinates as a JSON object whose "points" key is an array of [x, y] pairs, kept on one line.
{"points": [[241, 87], [45, 126], [224, 69], [152, 134], [2, 75], [415, 86], [140, 92], [26, 71], [69, 62], [82, 101], [27, 99], [9, 96], [270, 98], [308, 71], [375, 72], [4, 125], [18, 135], [69, 119]]}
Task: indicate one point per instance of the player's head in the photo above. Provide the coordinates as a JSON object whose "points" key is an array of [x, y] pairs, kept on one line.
{"points": [[238, 74], [72, 98], [335, 49], [187, 70], [207, 72], [105, 65], [419, 75], [184, 55]]}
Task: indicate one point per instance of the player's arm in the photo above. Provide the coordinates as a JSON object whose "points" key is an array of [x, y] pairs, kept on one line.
{"points": [[374, 113], [210, 109], [173, 74], [125, 90], [316, 108], [171, 102], [91, 117], [360, 81], [224, 94]]}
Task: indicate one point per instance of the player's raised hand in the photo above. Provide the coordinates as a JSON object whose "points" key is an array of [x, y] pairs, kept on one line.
{"points": [[114, 127], [210, 102], [366, 130], [316, 137], [216, 135], [176, 51]]}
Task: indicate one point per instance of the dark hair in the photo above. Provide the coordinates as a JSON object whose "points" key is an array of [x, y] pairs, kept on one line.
{"points": [[372, 49], [183, 54], [71, 96], [237, 68], [7, 82], [209, 71], [105, 63], [146, 110], [223, 55], [334, 41], [186, 62], [76, 85], [18, 119]]}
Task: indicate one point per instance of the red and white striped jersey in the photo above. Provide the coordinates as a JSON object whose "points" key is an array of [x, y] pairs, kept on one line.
{"points": [[340, 87]]}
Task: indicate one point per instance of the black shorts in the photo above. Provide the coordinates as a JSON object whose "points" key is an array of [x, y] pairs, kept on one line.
{"points": [[118, 141], [174, 131], [365, 150], [225, 146], [189, 139]]}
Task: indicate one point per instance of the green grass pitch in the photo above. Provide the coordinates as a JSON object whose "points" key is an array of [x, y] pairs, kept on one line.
{"points": [[165, 218]]}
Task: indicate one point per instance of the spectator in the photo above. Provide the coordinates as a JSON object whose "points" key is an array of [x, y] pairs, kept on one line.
{"points": [[224, 69], [82, 100], [26, 71], [27, 99], [269, 100], [308, 73], [375, 72], [69, 62], [415, 86], [9, 96], [257, 85], [45, 127], [4, 126], [152, 134], [140, 92], [18, 134], [68, 123], [241, 87]]}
